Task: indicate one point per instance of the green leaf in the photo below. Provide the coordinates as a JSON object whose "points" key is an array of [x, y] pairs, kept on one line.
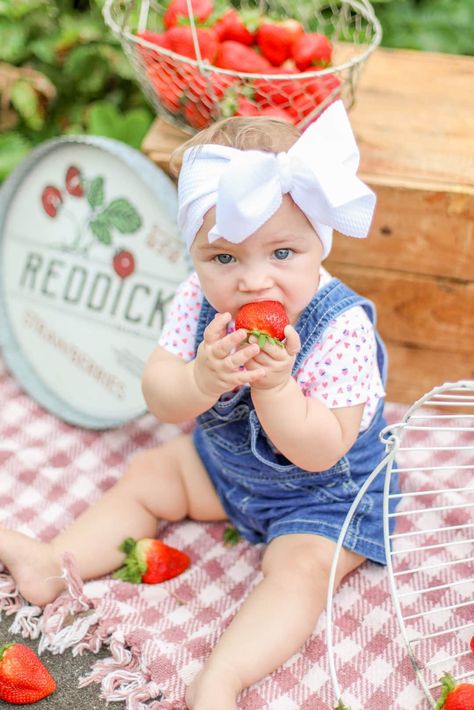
{"points": [[103, 120], [87, 69], [100, 229], [134, 127], [27, 102], [122, 215], [13, 41], [95, 192], [13, 148]]}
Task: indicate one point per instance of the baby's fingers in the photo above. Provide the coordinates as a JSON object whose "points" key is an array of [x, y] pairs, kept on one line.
{"points": [[217, 328]]}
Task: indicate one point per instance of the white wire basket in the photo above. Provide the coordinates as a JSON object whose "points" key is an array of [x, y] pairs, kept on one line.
{"points": [[193, 93], [430, 553]]}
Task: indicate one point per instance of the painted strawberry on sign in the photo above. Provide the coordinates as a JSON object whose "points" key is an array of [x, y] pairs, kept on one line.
{"points": [[123, 263], [264, 319], [51, 199]]}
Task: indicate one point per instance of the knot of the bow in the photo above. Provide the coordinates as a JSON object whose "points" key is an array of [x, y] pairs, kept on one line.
{"points": [[285, 172]]}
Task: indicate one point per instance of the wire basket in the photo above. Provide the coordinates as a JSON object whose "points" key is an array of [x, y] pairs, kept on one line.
{"points": [[430, 553], [193, 93]]}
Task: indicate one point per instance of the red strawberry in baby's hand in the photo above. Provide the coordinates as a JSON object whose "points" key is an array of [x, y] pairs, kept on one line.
{"points": [[264, 319], [23, 677], [150, 561], [455, 697]]}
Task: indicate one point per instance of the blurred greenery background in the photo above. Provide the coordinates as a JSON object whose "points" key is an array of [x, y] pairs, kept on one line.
{"points": [[75, 78]]}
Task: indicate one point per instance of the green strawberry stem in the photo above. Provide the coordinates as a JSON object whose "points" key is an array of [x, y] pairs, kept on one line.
{"points": [[231, 535], [133, 568], [448, 683], [263, 338], [341, 706]]}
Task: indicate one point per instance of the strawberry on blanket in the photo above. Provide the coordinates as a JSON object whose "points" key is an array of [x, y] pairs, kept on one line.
{"points": [[455, 697], [150, 561], [24, 678], [264, 319]]}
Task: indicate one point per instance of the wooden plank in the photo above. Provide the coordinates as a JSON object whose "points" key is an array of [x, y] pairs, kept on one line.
{"points": [[417, 231], [412, 371], [414, 119], [435, 313]]}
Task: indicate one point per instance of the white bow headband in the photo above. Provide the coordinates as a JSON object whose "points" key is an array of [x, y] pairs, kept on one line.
{"points": [[246, 186]]}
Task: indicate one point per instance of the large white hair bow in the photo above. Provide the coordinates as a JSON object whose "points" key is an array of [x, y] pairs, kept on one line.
{"points": [[246, 186]]}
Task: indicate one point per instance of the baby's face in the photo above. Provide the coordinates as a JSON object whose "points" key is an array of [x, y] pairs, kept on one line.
{"points": [[278, 262]]}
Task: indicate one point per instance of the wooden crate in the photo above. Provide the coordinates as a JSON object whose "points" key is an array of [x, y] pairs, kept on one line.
{"points": [[414, 123]]}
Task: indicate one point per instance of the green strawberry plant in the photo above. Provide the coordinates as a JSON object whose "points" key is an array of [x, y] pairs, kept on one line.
{"points": [[82, 81]]}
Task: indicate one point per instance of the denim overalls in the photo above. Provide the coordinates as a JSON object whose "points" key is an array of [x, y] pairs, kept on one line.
{"points": [[262, 492]]}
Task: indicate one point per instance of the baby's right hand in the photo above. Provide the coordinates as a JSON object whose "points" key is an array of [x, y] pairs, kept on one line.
{"points": [[221, 357]]}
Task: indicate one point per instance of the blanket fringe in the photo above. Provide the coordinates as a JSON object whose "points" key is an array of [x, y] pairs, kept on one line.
{"points": [[9, 595], [73, 621], [69, 619]]}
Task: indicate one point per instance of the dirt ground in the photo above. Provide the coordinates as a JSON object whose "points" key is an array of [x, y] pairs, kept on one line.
{"points": [[66, 670]]}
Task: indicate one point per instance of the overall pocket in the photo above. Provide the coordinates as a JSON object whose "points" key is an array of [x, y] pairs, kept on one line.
{"points": [[229, 430]]}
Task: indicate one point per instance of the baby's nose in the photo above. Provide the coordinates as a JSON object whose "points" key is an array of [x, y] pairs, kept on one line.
{"points": [[255, 279]]}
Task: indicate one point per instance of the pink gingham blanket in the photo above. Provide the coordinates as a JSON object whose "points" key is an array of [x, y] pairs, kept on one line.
{"points": [[159, 636]]}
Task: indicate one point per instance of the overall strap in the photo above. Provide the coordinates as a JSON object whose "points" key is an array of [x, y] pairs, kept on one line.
{"points": [[205, 317]]}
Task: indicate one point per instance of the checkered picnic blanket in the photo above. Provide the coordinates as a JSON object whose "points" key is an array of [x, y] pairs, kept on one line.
{"points": [[158, 636]]}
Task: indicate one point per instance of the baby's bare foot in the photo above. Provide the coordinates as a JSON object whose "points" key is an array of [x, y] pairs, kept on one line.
{"points": [[33, 565], [211, 690]]}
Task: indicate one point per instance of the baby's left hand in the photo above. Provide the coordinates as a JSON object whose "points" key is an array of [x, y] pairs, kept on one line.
{"points": [[277, 361]]}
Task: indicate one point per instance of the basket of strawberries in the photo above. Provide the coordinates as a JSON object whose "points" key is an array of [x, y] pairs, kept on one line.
{"points": [[202, 60]]}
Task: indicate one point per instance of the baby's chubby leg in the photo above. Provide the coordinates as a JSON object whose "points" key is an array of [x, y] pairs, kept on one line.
{"points": [[165, 483], [275, 620]]}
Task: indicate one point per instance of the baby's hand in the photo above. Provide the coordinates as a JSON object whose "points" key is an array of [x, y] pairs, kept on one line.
{"points": [[276, 361], [221, 359]]}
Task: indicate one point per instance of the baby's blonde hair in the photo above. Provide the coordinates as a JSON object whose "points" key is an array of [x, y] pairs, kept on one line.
{"points": [[273, 135]]}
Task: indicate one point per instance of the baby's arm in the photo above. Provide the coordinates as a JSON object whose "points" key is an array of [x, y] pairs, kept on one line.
{"points": [[176, 390], [303, 429], [307, 432]]}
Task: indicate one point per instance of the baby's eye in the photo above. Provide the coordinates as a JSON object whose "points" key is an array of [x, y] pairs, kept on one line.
{"points": [[223, 258], [282, 254]]}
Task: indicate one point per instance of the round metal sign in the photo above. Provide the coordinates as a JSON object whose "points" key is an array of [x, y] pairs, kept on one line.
{"points": [[89, 262]]}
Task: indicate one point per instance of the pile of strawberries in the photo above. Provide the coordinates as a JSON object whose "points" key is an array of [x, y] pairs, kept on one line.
{"points": [[244, 42]]}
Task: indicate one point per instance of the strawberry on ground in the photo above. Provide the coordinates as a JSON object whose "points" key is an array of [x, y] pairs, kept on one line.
{"points": [[24, 678], [150, 561], [312, 50], [181, 41], [237, 26], [276, 39], [455, 697], [237, 57], [264, 319], [179, 8]]}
